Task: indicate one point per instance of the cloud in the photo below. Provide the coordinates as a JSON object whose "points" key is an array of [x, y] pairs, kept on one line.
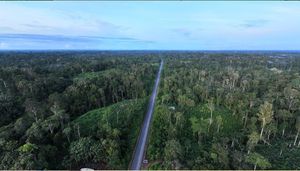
{"points": [[39, 26], [254, 23], [187, 33], [7, 29], [30, 20], [3, 45], [182, 31], [25, 41], [105, 25], [64, 38], [287, 10]]}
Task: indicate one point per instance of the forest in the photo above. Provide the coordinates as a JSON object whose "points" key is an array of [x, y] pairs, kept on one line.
{"points": [[227, 110], [68, 110], [214, 110]]}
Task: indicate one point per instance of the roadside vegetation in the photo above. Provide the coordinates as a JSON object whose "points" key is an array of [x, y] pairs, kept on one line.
{"points": [[68, 110], [214, 110], [227, 111]]}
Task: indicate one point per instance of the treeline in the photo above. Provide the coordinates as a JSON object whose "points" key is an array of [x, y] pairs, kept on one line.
{"points": [[227, 111], [42, 93]]}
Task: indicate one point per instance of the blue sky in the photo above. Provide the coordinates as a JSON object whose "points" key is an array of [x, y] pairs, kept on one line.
{"points": [[170, 25]]}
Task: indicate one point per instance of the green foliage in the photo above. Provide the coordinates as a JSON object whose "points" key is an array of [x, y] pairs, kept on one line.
{"points": [[172, 152], [44, 100], [199, 126], [185, 101], [226, 100], [28, 148], [68, 110], [229, 123], [86, 149], [159, 132], [88, 75], [288, 159], [116, 115], [253, 139], [258, 160], [265, 114], [107, 125], [219, 154]]}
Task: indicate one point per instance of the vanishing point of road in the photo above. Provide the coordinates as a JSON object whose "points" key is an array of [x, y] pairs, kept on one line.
{"points": [[138, 154]]}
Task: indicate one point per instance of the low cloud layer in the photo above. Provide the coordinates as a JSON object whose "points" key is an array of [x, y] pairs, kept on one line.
{"points": [[254, 23], [15, 41]]}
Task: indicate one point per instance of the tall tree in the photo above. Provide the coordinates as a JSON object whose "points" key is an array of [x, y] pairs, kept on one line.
{"points": [[34, 108], [297, 125], [172, 152], [253, 139], [60, 114], [265, 115], [219, 121], [258, 160], [284, 116], [210, 105], [291, 96], [199, 126]]}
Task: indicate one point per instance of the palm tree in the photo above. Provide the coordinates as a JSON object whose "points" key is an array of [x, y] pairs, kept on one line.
{"points": [[265, 115], [297, 125], [291, 96], [252, 141], [199, 126], [219, 122], [60, 114], [179, 119], [258, 160], [211, 107], [284, 115]]}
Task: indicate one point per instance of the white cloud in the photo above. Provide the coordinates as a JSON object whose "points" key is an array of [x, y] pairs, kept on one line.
{"points": [[67, 46], [169, 24], [3, 45], [50, 21]]}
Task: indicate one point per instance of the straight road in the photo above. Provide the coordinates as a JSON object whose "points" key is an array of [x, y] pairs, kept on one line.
{"points": [[138, 154]]}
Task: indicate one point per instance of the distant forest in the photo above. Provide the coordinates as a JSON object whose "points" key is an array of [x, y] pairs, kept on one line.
{"points": [[214, 110]]}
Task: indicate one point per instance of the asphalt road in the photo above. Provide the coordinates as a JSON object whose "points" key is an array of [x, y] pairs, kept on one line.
{"points": [[138, 154]]}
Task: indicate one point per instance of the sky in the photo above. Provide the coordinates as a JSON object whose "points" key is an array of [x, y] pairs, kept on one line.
{"points": [[146, 25]]}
